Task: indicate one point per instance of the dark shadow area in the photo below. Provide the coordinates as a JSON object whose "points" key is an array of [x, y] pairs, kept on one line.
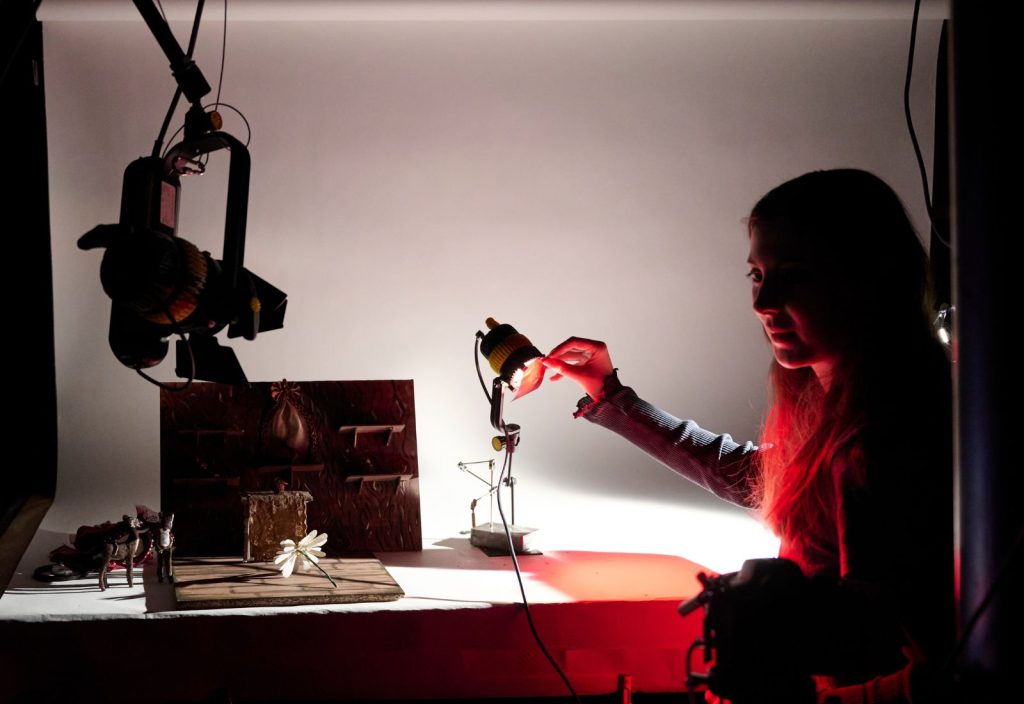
{"points": [[34, 383], [612, 698]]}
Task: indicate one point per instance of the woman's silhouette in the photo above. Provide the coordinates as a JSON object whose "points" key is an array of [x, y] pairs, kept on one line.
{"points": [[853, 470]]}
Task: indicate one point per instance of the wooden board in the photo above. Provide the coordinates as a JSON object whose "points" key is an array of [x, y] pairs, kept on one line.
{"points": [[213, 583]]}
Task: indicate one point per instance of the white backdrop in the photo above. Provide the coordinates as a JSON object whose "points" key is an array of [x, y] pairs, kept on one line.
{"points": [[413, 176]]}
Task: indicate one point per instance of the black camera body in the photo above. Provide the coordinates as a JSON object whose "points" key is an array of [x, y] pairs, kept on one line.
{"points": [[755, 631]]}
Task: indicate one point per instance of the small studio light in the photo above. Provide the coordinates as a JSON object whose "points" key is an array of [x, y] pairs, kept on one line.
{"points": [[516, 362], [512, 357]]}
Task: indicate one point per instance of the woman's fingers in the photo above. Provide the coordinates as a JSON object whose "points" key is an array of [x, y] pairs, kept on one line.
{"points": [[578, 348], [586, 362], [553, 363]]}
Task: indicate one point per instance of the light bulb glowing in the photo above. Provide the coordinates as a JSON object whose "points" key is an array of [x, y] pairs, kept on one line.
{"points": [[513, 357], [943, 324], [528, 377]]}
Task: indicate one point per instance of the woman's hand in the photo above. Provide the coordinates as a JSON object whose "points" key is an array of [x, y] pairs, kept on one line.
{"points": [[586, 362]]}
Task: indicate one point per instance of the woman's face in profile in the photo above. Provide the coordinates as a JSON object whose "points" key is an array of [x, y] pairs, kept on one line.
{"points": [[796, 297]]}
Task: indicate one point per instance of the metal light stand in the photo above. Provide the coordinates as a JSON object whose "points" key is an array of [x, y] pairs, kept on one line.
{"points": [[491, 488], [510, 434], [490, 537]]}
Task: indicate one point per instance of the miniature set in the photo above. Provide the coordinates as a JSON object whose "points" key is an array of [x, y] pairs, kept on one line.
{"points": [[248, 470], [348, 447]]}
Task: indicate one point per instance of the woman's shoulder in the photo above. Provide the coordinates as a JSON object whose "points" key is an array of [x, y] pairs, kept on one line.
{"points": [[910, 404], [914, 391], [898, 464]]}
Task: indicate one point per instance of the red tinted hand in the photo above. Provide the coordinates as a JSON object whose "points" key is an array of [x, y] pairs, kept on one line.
{"points": [[586, 362]]}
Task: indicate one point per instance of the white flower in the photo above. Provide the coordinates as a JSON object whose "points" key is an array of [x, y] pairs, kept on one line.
{"points": [[306, 553]]}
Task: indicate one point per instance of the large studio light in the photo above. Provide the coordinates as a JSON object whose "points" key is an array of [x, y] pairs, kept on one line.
{"points": [[160, 284]]}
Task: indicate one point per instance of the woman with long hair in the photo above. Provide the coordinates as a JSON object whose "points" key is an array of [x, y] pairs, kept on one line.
{"points": [[853, 470]]}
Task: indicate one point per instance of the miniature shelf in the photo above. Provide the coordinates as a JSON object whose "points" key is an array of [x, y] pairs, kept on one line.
{"points": [[229, 481], [292, 468], [361, 479], [295, 473], [364, 429]]}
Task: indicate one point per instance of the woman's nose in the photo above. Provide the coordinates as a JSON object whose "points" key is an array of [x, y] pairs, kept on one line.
{"points": [[766, 298]]}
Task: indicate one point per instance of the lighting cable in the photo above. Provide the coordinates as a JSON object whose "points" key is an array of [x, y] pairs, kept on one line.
{"points": [[220, 80], [191, 355], [476, 359], [21, 40], [248, 127], [506, 466], [223, 53], [158, 143], [910, 125]]}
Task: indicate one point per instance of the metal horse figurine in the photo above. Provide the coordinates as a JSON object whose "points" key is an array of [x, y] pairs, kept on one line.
{"points": [[122, 543], [163, 540]]}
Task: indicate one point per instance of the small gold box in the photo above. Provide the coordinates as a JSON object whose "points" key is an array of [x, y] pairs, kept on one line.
{"points": [[271, 517]]}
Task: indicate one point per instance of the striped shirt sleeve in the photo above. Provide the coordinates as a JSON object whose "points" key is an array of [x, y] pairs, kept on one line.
{"points": [[715, 462]]}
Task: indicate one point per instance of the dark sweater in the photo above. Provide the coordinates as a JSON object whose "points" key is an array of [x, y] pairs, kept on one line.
{"points": [[887, 567]]}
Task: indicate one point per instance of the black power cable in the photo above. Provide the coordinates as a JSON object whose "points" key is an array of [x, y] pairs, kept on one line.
{"points": [[21, 40], [910, 125], [248, 127], [223, 53], [506, 466], [476, 359], [191, 355], [158, 143]]}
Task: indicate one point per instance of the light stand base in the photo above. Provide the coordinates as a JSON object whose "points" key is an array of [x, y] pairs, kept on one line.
{"points": [[491, 538]]}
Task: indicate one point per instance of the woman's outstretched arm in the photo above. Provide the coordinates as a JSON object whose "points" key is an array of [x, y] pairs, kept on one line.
{"points": [[713, 461]]}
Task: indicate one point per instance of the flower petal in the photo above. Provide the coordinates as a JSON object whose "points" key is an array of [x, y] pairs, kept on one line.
{"points": [[282, 556], [288, 543], [288, 566], [319, 541]]}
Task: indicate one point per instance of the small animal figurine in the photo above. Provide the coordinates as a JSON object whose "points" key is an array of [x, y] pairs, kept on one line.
{"points": [[122, 543], [163, 540]]}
